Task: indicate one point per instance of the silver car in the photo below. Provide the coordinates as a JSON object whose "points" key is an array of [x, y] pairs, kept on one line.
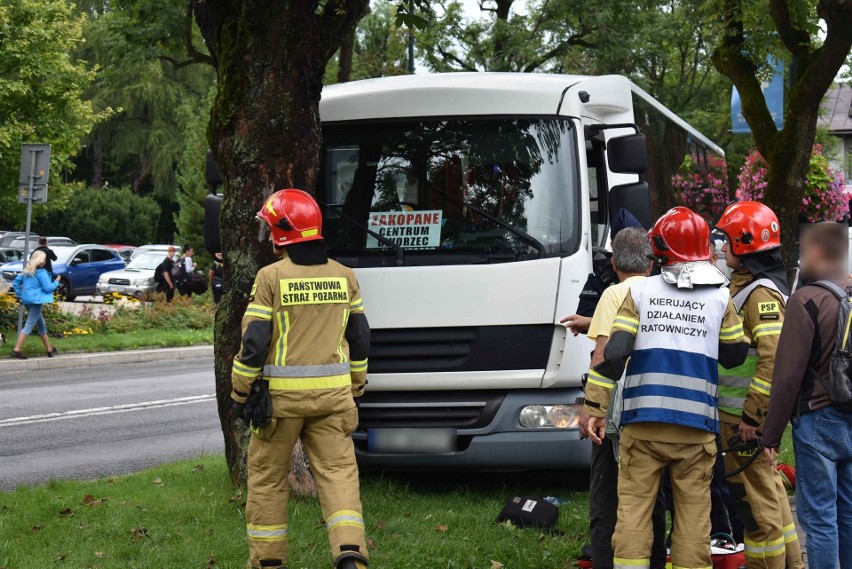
{"points": [[136, 279]]}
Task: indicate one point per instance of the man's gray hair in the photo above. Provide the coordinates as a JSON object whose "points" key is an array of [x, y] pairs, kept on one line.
{"points": [[631, 250]]}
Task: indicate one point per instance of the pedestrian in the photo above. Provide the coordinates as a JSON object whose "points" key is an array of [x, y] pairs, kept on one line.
{"points": [[603, 277], [216, 275], [822, 430], [305, 340], [673, 328], [49, 255], [759, 292], [631, 261], [167, 284], [34, 289]]}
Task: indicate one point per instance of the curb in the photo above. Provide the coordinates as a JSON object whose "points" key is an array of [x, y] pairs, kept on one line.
{"points": [[63, 361]]}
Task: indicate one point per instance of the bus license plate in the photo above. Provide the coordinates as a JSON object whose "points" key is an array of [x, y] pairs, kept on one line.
{"points": [[411, 441]]}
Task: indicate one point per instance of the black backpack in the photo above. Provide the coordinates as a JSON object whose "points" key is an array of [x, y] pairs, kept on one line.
{"points": [[839, 381], [158, 273]]}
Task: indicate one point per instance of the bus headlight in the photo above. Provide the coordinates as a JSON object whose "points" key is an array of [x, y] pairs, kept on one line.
{"points": [[550, 416]]}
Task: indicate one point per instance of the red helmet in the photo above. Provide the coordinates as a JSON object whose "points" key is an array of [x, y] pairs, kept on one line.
{"points": [[293, 216], [750, 227], [680, 236]]}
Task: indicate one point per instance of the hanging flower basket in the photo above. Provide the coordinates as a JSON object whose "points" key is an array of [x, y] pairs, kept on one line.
{"points": [[825, 197], [703, 191]]}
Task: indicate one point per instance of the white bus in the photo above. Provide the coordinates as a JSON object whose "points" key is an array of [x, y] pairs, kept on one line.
{"points": [[470, 206]]}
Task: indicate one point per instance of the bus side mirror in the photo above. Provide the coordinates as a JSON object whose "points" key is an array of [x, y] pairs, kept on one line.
{"points": [[627, 154], [212, 239], [635, 198]]}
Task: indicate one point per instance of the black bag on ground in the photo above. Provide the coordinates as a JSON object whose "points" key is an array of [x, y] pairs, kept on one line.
{"points": [[196, 284], [839, 381], [523, 511]]}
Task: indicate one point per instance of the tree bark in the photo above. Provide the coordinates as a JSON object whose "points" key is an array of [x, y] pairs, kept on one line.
{"points": [[788, 151], [264, 132], [344, 61]]}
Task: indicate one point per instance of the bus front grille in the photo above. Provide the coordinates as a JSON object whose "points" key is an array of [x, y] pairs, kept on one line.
{"points": [[429, 410]]}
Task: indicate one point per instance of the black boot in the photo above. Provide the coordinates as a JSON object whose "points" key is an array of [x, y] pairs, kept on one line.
{"points": [[350, 563]]}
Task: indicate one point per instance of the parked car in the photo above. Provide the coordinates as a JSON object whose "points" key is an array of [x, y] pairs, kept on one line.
{"points": [[79, 268], [137, 279], [160, 248], [51, 242], [9, 255], [10, 236], [126, 251]]}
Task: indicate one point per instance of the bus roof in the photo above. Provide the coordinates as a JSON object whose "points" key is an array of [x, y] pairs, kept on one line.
{"points": [[466, 94]]}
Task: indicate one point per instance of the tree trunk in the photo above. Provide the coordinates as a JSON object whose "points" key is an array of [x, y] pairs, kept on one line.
{"points": [[270, 57], [97, 180], [344, 62]]}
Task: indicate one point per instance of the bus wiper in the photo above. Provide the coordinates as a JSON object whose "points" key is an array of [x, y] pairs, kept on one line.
{"points": [[522, 234], [400, 254]]}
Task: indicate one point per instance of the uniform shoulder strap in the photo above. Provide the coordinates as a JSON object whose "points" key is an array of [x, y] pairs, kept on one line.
{"points": [[741, 297]]}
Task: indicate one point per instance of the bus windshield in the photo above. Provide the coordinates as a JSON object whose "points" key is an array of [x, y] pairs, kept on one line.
{"points": [[450, 191]]}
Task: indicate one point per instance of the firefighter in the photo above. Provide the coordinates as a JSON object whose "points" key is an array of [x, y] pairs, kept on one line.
{"points": [[759, 293], [305, 333], [673, 328]]}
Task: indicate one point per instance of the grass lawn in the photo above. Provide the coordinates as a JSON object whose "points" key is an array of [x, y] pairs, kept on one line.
{"points": [[188, 516], [113, 342]]}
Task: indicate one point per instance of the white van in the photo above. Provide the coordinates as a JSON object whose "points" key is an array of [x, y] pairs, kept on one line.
{"points": [[470, 206]]}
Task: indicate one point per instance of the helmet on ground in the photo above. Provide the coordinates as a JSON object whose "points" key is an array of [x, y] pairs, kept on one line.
{"points": [[293, 216], [788, 475], [750, 227], [680, 236]]}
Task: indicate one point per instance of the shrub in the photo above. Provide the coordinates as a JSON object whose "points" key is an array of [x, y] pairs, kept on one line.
{"points": [[108, 215], [824, 199], [706, 191]]}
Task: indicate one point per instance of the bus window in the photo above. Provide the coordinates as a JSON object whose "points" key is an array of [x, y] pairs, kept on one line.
{"points": [[598, 211]]}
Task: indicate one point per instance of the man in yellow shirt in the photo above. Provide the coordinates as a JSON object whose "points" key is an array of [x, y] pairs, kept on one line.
{"points": [[631, 251]]}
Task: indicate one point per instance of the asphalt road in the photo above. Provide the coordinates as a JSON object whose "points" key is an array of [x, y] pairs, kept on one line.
{"points": [[104, 420]]}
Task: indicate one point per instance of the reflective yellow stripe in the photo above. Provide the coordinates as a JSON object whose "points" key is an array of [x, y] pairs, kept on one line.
{"points": [[625, 323], [343, 518], [267, 533], [790, 534], [309, 383], [597, 379], [357, 306], [682, 567], [731, 333], [762, 330], [358, 365], [621, 563], [340, 351], [242, 369], [760, 385], [761, 549], [284, 332], [259, 311], [846, 330], [310, 232]]}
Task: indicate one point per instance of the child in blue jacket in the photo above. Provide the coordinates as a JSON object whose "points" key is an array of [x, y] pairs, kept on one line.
{"points": [[34, 289]]}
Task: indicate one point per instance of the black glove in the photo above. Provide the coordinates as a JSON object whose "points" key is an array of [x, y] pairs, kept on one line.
{"points": [[258, 408]]}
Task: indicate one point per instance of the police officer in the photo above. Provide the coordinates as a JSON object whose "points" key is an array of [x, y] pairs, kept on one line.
{"points": [[305, 331], [759, 293], [673, 328]]}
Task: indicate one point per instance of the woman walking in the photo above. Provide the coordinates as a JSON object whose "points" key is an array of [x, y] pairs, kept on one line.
{"points": [[34, 288]]}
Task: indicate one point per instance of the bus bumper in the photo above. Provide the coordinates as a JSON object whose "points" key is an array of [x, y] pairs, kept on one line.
{"points": [[501, 445]]}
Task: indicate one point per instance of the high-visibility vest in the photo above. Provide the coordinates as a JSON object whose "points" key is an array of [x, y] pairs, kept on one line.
{"points": [[734, 383], [672, 373]]}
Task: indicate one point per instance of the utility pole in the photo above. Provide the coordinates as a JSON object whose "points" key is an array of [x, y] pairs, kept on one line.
{"points": [[35, 169]]}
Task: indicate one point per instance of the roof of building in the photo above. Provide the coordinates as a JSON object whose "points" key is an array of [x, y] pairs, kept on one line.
{"points": [[837, 106]]}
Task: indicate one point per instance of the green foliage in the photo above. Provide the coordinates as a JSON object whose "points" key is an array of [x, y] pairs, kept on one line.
{"points": [[181, 313], [187, 514], [41, 94], [107, 215], [192, 187]]}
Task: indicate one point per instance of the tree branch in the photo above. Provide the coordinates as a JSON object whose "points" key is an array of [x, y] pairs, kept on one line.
{"points": [[795, 40], [729, 59], [194, 56], [560, 49], [338, 17]]}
